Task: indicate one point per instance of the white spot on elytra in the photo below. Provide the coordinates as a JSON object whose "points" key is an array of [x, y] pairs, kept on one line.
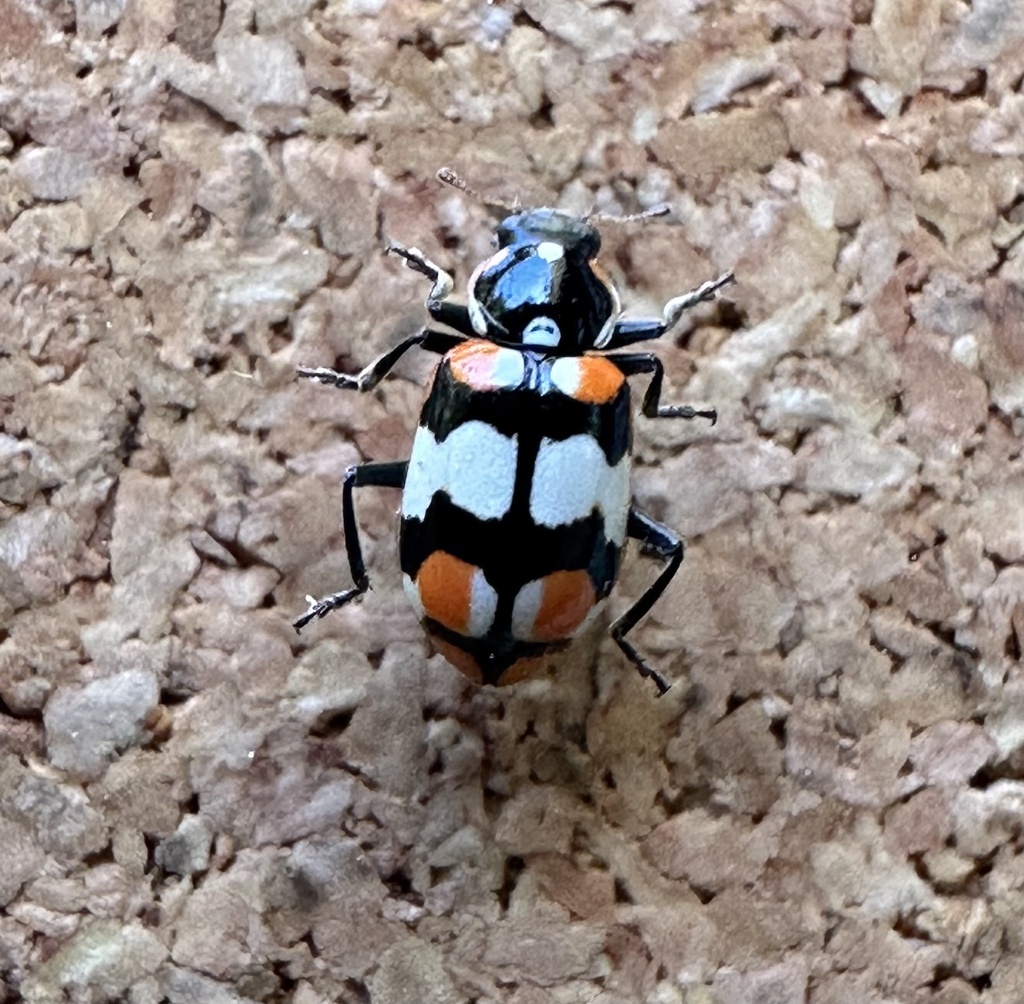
{"points": [[475, 465], [496, 369], [509, 368], [526, 607], [572, 478], [483, 603], [592, 614], [565, 375]]}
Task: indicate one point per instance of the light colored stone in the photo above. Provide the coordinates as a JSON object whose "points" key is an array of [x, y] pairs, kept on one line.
{"points": [[23, 858], [105, 956], [54, 230], [718, 82], [93, 17], [413, 972], [86, 727], [187, 850], [854, 465], [53, 174], [731, 141]]}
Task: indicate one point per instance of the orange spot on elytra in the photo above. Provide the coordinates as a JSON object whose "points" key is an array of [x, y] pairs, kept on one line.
{"points": [[599, 380], [446, 590], [473, 363], [566, 599], [462, 661]]}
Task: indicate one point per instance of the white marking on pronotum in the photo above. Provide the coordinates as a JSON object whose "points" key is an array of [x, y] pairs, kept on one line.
{"points": [[477, 314], [554, 255], [550, 251], [541, 331], [572, 478], [475, 465]]}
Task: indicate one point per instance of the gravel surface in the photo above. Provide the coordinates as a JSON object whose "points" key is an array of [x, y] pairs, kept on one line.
{"points": [[197, 805]]}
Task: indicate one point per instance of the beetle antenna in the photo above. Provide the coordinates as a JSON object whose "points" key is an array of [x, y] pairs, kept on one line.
{"points": [[662, 209], [449, 177]]}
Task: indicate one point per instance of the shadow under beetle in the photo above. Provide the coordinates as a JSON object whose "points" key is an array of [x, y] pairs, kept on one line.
{"points": [[516, 503]]}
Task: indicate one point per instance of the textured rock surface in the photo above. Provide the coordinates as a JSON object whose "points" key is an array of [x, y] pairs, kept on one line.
{"points": [[198, 805]]}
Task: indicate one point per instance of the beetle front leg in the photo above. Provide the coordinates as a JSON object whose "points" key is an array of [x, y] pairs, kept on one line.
{"points": [[386, 475], [628, 331], [454, 315], [419, 262], [637, 363], [660, 542]]}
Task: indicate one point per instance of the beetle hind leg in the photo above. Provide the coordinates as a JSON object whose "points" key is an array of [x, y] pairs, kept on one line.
{"points": [[660, 542], [386, 475], [637, 363]]}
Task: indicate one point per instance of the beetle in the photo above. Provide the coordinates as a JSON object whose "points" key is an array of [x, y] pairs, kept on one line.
{"points": [[516, 504]]}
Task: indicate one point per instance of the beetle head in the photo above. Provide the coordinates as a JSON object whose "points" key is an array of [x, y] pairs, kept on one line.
{"points": [[543, 288]]}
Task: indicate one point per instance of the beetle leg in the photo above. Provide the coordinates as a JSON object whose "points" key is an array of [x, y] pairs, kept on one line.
{"points": [[660, 542], [647, 362], [385, 475], [455, 315], [630, 330], [371, 375], [419, 262]]}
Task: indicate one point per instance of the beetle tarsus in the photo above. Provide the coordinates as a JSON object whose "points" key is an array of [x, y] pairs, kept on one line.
{"points": [[686, 411], [318, 608], [657, 541], [676, 307], [443, 283], [372, 374], [385, 475], [330, 377]]}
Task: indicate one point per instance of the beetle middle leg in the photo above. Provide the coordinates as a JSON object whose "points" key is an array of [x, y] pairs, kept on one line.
{"points": [[637, 363], [660, 542], [372, 374], [384, 475]]}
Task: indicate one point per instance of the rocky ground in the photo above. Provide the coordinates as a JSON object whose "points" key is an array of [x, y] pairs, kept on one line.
{"points": [[198, 805]]}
